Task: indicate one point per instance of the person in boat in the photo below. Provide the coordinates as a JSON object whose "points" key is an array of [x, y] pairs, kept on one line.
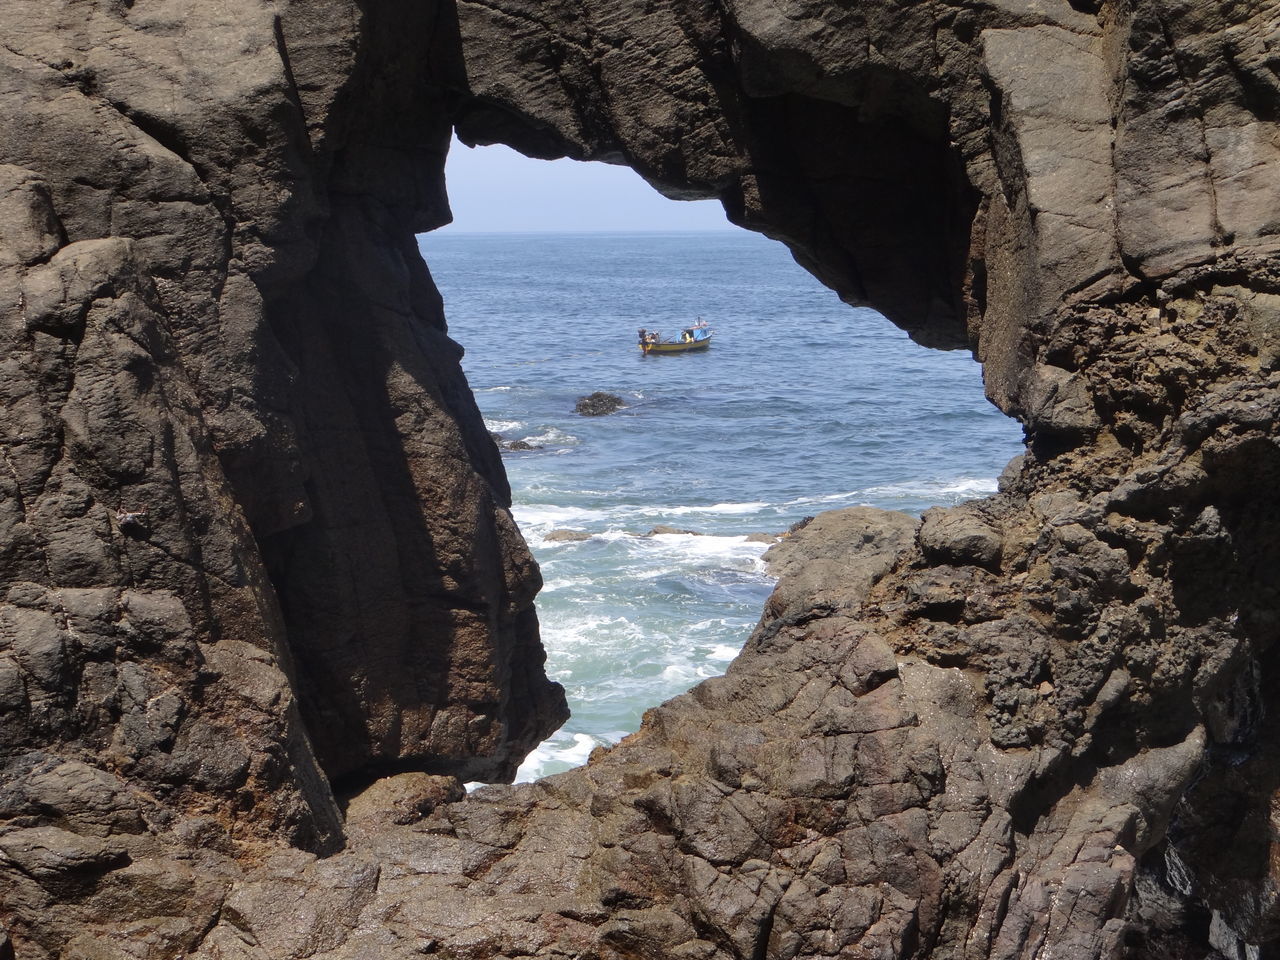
{"points": [[686, 336], [643, 334]]}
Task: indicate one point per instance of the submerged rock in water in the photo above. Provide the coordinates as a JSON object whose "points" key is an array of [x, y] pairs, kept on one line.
{"points": [[598, 404], [566, 536], [518, 445], [515, 445]]}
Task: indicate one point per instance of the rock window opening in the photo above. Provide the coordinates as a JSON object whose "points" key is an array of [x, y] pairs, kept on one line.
{"points": [[650, 523]]}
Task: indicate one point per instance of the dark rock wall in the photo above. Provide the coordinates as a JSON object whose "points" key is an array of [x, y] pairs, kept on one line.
{"points": [[1086, 194], [255, 537]]}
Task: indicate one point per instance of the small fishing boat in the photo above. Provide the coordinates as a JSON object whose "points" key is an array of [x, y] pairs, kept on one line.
{"points": [[696, 337]]}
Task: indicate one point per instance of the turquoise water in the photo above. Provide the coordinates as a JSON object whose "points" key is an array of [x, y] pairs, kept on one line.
{"points": [[801, 405]]}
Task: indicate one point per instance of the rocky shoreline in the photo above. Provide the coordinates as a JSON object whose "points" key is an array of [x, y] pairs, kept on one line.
{"points": [[264, 605]]}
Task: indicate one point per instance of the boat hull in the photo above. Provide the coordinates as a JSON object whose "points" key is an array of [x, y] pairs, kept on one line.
{"points": [[676, 347]]}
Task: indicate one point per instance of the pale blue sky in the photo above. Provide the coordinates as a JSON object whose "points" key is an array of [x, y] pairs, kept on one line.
{"points": [[496, 190]]}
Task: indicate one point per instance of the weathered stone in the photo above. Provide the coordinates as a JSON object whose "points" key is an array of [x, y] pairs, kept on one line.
{"points": [[960, 535], [566, 536], [404, 798], [837, 558], [58, 858], [255, 540]]}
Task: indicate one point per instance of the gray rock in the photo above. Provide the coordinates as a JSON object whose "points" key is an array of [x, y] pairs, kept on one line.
{"points": [[566, 536]]}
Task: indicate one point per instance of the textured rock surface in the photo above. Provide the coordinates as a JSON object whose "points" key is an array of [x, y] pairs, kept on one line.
{"points": [[254, 535], [598, 404], [255, 540], [835, 559]]}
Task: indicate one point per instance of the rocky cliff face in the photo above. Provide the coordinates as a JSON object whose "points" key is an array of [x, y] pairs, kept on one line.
{"points": [[256, 544], [256, 552]]}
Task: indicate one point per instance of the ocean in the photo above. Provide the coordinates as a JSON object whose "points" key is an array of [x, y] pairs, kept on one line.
{"points": [[802, 404]]}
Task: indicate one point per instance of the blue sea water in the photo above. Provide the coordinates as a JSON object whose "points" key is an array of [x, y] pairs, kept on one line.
{"points": [[802, 404]]}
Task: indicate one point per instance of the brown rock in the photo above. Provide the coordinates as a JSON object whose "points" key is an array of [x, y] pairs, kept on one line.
{"points": [[834, 560], [214, 315], [960, 535], [401, 799], [57, 859]]}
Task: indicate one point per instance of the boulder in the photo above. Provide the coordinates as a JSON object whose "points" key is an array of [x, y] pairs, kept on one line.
{"points": [[836, 558], [960, 535]]}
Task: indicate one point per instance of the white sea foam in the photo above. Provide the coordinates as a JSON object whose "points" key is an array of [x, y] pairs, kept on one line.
{"points": [[560, 752], [534, 516], [975, 486], [723, 653], [614, 535], [754, 506], [686, 547], [680, 673], [950, 490], [566, 631], [552, 435], [565, 583], [502, 426], [851, 497]]}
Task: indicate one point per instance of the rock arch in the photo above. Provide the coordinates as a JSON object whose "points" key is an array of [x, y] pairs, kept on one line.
{"points": [[255, 528]]}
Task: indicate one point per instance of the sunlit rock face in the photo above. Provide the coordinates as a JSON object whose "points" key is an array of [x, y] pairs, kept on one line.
{"points": [[257, 555]]}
